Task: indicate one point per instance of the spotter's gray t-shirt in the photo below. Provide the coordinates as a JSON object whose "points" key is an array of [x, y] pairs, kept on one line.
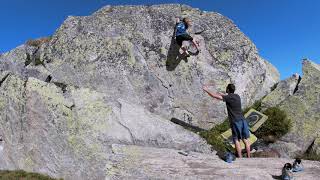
{"points": [[233, 102]]}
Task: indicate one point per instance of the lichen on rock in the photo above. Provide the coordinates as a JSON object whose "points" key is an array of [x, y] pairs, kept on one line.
{"points": [[303, 109], [116, 77]]}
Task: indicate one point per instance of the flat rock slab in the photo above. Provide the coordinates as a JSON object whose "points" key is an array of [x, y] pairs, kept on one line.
{"points": [[133, 162]]}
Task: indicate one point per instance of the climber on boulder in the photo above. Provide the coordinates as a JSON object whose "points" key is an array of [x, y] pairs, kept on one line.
{"points": [[182, 36], [238, 124]]}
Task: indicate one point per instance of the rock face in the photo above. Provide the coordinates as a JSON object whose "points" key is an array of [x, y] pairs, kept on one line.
{"points": [[303, 109], [64, 134], [284, 89], [132, 162], [116, 77], [316, 146], [128, 52]]}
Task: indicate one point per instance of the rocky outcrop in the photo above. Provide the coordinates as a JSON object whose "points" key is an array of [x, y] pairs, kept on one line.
{"points": [[116, 77], [283, 90], [132, 162], [303, 109]]}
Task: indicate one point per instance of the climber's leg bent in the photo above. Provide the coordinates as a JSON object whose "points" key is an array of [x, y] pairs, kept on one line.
{"points": [[184, 41], [184, 48], [196, 44]]}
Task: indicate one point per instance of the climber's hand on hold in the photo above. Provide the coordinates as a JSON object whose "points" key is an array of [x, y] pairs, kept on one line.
{"points": [[177, 20], [218, 96], [208, 84], [205, 88]]}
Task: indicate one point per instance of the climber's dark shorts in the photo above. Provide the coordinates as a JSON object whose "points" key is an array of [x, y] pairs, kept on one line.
{"points": [[183, 37], [240, 130]]}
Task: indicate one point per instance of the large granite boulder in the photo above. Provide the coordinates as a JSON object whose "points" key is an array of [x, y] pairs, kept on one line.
{"points": [[116, 77], [303, 109], [128, 52]]}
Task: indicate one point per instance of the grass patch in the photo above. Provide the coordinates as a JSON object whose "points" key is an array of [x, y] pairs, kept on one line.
{"points": [[277, 125], [22, 175]]}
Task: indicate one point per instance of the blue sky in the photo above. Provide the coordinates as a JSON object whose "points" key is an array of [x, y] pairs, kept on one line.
{"points": [[284, 31]]}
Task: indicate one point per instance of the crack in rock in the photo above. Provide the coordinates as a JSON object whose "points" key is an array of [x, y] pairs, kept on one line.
{"points": [[297, 86], [124, 126], [4, 78]]}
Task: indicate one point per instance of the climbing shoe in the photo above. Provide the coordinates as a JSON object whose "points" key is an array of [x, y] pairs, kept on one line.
{"points": [[187, 54]]}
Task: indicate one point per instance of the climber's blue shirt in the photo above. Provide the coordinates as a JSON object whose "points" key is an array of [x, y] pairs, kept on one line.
{"points": [[181, 29]]}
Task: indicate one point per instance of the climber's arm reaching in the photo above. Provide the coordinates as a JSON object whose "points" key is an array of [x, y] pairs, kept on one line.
{"points": [[177, 20], [214, 95], [175, 28]]}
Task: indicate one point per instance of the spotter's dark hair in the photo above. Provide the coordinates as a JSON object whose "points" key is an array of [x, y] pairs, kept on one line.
{"points": [[231, 88]]}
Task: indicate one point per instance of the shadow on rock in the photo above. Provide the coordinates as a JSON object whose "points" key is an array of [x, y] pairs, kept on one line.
{"points": [[276, 177], [194, 53], [186, 125], [174, 57]]}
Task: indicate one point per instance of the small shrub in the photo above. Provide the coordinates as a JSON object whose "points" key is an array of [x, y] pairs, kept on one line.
{"points": [[224, 126], [214, 138], [277, 124], [20, 174], [38, 42]]}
